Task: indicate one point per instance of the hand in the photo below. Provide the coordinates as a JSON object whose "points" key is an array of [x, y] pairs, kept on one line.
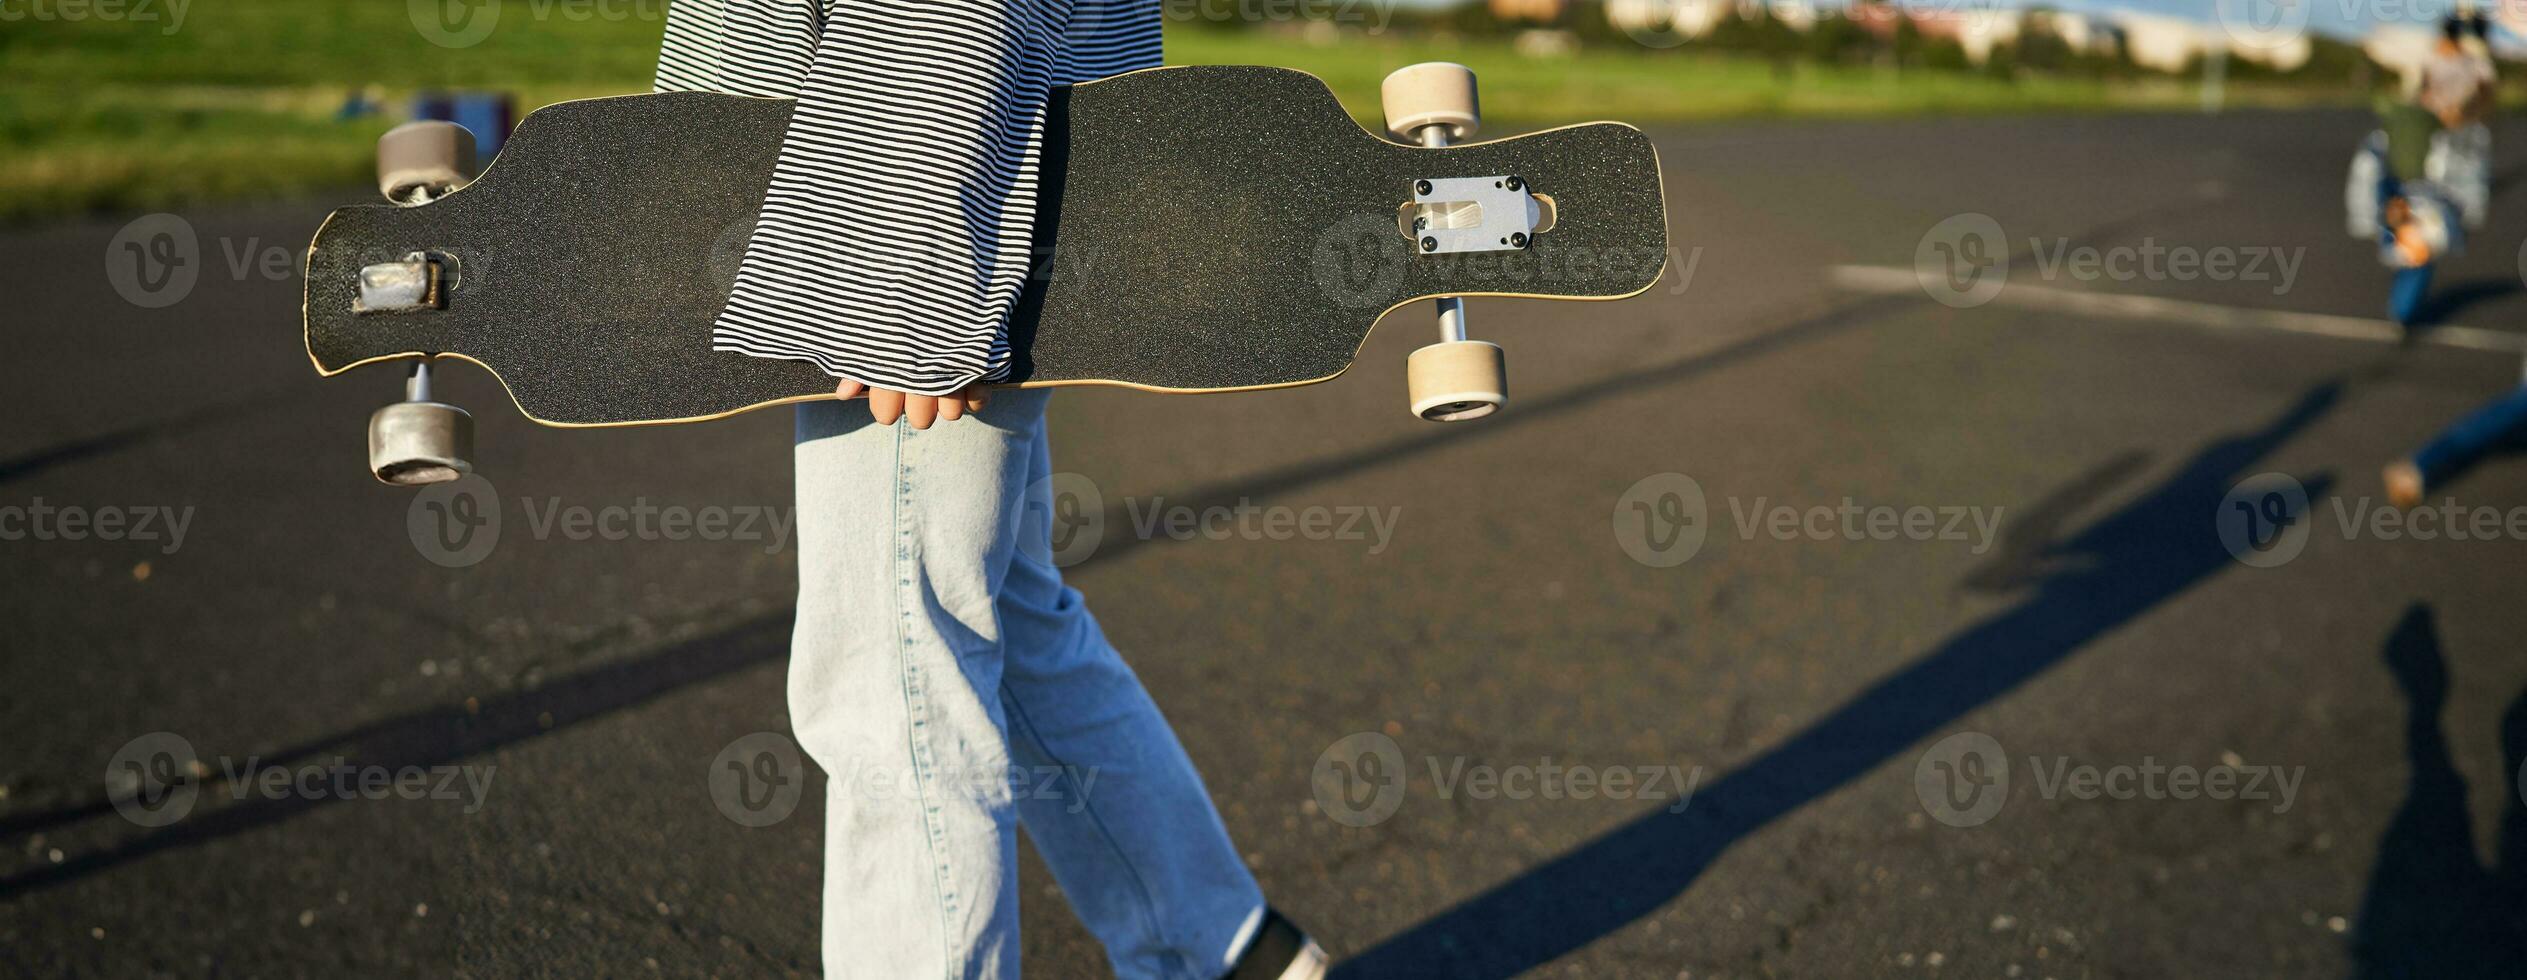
{"points": [[888, 405]]}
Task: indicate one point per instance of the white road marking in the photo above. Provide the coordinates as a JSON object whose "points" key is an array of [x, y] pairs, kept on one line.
{"points": [[1888, 280]]}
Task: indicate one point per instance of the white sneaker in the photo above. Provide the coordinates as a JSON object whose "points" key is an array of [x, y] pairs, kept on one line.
{"points": [[1280, 951]]}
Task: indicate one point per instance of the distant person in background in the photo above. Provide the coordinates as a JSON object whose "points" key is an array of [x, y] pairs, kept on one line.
{"points": [[2456, 81], [2447, 96], [2457, 92]]}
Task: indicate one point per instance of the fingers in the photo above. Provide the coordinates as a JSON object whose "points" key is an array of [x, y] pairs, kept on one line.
{"points": [[886, 405]]}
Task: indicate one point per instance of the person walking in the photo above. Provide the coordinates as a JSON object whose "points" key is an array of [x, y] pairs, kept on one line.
{"points": [[937, 649]]}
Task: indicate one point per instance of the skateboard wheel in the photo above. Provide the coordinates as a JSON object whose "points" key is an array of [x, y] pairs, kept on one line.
{"points": [[1457, 380], [1433, 93], [419, 161], [416, 443]]}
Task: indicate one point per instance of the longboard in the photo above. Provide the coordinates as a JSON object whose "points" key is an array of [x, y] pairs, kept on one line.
{"points": [[1211, 228]]}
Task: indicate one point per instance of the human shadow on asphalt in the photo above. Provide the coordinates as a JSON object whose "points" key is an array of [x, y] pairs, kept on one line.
{"points": [[2432, 910], [436, 736], [2443, 304], [27, 465], [2121, 566], [450, 732], [1529, 412], [1833, 320], [2024, 552], [2504, 179]]}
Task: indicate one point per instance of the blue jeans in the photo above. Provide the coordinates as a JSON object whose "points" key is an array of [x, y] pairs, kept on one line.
{"points": [[2472, 436], [953, 690]]}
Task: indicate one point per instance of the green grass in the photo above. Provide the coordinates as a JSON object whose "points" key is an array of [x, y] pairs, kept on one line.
{"points": [[1646, 86], [238, 100]]}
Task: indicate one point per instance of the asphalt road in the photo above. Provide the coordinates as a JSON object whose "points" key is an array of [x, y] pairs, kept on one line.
{"points": [[2191, 756]]}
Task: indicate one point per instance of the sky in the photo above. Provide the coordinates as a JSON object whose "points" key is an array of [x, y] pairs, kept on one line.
{"points": [[2340, 18]]}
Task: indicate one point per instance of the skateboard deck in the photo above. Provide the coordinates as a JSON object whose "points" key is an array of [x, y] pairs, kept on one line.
{"points": [[1200, 229]]}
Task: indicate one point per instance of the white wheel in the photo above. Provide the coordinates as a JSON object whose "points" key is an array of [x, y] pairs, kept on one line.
{"points": [[1457, 380], [416, 443], [419, 161], [1433, 93]]}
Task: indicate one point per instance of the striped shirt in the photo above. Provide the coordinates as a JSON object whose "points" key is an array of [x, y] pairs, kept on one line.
{"points": [[895, 234]]}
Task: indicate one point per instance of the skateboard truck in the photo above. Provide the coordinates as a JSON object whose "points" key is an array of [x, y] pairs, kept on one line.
{"points": [[1433, 104], [418, 441], [419, 282], [1450, 215]]}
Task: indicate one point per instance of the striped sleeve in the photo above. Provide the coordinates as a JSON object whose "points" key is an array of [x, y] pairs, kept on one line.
{"points": [[895, 233]]}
